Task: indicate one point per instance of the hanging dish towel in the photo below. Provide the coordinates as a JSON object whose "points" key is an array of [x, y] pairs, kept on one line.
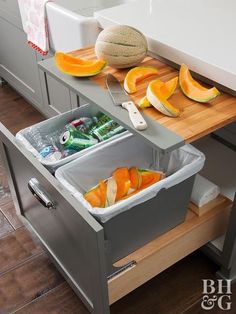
{"points": [[34, 20]]}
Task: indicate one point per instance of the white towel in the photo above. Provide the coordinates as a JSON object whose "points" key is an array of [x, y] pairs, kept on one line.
{"points": [[34, 21], [203, 191]]}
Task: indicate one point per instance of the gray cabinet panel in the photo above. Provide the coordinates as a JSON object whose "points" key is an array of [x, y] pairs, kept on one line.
{"points": [[71, 235], [228, 134], [9, 10], [11, 6], [59, 95], [57, 98], [18, 62]]}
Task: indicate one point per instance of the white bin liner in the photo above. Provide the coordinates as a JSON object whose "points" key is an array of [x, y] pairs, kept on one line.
{"points": [[51, 126], [84, 173]]}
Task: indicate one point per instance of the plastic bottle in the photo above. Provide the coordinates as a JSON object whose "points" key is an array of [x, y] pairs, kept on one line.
{"points": [[45, 144], [83, 124]]}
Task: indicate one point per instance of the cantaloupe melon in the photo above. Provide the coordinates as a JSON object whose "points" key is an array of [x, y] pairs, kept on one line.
{"points": [[97, 196], [135, 178], [159, 101], [136, 75], [192, 89], [78, 67], [111, 192], [121, 175], [149, 177], [167, 89], [121, 46]]}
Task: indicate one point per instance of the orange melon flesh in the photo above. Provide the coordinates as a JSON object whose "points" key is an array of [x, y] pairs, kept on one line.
{"points": [[103, 192], [97, 196], [159, 101], [136, 75], [121, 175], [149, 178], [78, 67], [135, 178], [192, 89], [94, 197], [167, 89]]}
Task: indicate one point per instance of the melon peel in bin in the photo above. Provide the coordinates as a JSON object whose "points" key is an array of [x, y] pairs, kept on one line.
{"points": [[131, 223], [55, 127]]}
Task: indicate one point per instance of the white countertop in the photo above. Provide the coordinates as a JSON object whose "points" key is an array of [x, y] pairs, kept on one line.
{"points": [[200, 33], [88, 7]]}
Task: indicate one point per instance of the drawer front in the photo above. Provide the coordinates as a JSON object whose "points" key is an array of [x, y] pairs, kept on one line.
{"points": [[70, 234]]}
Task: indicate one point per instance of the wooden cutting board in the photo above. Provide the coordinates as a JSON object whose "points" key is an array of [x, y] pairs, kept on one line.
{"points": [[196, 119]]}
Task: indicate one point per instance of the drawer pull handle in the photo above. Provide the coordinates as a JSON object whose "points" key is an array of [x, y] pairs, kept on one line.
{"points": [[39, 194]]}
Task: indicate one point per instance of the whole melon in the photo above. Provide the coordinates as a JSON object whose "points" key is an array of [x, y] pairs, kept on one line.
{"points": [[121, 46]]}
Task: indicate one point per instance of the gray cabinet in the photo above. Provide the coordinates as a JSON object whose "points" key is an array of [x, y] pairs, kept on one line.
{"points": [[18, 62], [57, 98], [19, 66]]}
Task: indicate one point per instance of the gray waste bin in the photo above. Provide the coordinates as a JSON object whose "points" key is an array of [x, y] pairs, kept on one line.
{"points": [[52, 125], [131, 223]]}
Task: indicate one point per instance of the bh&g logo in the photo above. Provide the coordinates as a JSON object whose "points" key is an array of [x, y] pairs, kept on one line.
{"points": [[216, 293]]}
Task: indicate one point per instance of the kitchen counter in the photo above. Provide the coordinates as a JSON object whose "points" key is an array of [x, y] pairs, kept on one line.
{"points": [[198, 33]]}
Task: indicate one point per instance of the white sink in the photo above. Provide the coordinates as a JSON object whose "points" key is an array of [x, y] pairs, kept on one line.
{"points": [[72, 24]]}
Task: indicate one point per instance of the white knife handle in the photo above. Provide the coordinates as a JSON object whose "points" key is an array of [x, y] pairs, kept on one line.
{"points": [[135, 116]]}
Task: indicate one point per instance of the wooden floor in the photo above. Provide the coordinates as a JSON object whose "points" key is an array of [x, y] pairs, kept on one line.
{"points": [[30, 284]]}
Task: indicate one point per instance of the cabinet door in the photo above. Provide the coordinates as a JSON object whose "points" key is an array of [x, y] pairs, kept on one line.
{"points": [[9, 10], [18, 62], [57, 98], [70, 234]]}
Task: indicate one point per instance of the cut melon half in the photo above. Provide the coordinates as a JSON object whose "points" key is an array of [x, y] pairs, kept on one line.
{"points": [[192, 89], [78, 67], [159, 101], [136, 75], [167, 89]]}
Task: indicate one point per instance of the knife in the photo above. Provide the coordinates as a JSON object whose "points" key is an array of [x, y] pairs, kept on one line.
{"points": [[120, 98]]}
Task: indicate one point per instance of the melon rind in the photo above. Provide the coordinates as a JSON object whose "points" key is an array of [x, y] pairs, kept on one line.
{"points": [[121, 46], [161, 105], [186, 80]]}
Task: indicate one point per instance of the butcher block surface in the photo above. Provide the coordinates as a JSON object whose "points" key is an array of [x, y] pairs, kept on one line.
{"points": [[196, 119]]}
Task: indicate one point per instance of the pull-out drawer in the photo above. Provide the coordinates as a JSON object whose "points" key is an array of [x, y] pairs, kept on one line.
{"points": [[75, 239], [70, 234]]}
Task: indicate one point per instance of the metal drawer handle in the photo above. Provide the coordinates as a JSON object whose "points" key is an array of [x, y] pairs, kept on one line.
{"points": [[39, 194]]}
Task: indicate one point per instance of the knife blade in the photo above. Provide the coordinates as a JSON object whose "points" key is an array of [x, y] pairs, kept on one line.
{"points": [[120, 98]]}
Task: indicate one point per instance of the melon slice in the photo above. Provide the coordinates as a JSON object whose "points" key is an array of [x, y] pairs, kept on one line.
{"points": [[111, 191], [135, 178], [121, 175], [149, 177], [167, 90], [78, 67], [103, 192], [192, 89], [146, 179], [159, 101], [97, 195], [136, 75]]}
